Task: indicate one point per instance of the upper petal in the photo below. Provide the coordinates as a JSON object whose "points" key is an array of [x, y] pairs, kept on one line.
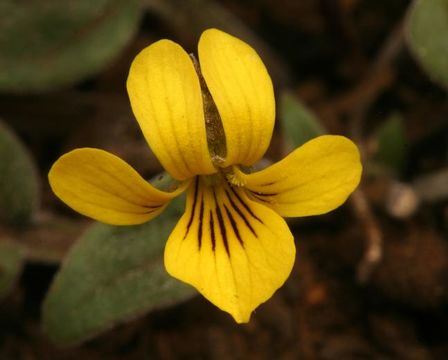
{"points": [[236, 252], [242, 90], [102, 186], [314, 179], [166, 99]]}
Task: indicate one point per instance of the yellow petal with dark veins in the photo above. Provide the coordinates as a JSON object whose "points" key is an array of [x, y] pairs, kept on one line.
{"points": [[100, 185], [234, 251], [314, 179]]}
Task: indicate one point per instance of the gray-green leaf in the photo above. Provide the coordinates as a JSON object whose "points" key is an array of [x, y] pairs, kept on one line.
{"points": [[427, 32], [112, 274], [18, 180], [50, 44], [11, 263], [299, 123]]}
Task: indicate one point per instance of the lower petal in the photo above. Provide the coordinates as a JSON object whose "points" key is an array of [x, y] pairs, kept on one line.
{"points": [[100, 185], [314, 179], [234, 251]]}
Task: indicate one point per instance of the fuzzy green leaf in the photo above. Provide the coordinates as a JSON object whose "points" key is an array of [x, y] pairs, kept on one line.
{"points": [[18, 180], [427, 32], [299, 123], [11, 263], [50, 44], [112, 275]]}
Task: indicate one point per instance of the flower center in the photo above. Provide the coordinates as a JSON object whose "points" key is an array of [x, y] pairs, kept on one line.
{"points": [[224, 176]]}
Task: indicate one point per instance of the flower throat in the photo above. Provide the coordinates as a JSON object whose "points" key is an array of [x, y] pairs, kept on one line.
{"points": [[216, 139]]}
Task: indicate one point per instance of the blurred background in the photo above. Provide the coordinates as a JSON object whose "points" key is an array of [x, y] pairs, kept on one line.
{"points": [[370, 279]]}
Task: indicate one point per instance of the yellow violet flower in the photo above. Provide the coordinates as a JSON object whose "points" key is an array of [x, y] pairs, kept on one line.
{"points": [[232, 243]]}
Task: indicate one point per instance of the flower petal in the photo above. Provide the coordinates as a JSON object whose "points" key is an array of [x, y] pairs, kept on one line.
{"points": [[236, 252], [242, 90], [102, 186], [314, 179], [166, 99]]}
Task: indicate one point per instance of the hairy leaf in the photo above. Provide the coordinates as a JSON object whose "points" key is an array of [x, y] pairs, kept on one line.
{"points": [[49, 44], [299, 123], [427, 32], [11, 263], [18, 180], [111, 275]]}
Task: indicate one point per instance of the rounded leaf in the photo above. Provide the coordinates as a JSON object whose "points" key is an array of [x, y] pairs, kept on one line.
{"points": [[18, 180], [428, 37], [50, 44], [111, 275], [11, 264]]}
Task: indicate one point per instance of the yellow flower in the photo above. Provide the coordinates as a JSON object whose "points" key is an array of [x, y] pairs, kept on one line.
{"points": [[232, 243]]}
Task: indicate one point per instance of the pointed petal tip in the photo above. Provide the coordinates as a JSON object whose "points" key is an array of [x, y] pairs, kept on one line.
{"points": [[242, 318]]}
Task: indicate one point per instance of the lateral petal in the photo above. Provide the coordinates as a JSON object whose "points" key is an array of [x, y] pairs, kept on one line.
{"points": [[314, 179], [234, 251], [166, 99], [100, 185], [242, 90]]}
